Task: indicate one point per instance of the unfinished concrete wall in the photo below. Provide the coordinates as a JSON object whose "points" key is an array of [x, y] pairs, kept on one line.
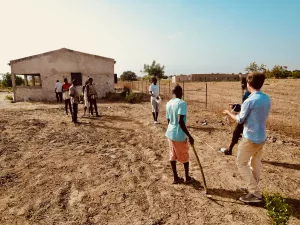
{"points": [[60, 64], [207, 77], [33, 93]]}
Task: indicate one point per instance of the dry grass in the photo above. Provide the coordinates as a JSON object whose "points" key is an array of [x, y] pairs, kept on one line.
{"points": [[115, 170], [284, 117]]}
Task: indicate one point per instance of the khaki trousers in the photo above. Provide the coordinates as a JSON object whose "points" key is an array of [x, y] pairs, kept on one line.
{"points": [[249, 164]]}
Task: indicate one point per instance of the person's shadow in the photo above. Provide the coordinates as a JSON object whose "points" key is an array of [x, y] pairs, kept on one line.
{"points": [[283, 164], [233, 196]]}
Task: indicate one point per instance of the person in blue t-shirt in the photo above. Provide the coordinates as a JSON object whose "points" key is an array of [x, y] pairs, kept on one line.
{"points": [[239, 127], [178, 135]]}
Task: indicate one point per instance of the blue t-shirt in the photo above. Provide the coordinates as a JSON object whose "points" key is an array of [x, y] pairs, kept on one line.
{"points": [[174, 108]]}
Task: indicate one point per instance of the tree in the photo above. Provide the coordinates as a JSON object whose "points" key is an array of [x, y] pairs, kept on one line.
{"points": [[269, 74], [253, 67], [128, 75], [7, 82], [296, 74], [281, 72], [154, 70]]}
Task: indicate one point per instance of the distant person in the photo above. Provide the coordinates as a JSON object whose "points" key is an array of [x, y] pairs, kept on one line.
{"points": [[178, 135], [254, 114], [154, 92], [92, 96], [58, 91], [74, 101], [85, 98], [238, 131], [65, 89]]}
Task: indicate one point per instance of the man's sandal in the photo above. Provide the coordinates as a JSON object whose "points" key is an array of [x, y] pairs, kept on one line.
{"points": [[189, 181], [179, 180]]}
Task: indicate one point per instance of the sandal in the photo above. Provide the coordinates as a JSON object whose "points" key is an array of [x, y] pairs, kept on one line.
{"points": [[227, 152], [189, 181], [179, 180]]}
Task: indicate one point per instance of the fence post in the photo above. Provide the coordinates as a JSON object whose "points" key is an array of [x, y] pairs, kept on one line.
{"points": [[206, 95], [159, 87], [142, 86], [183, 89]]}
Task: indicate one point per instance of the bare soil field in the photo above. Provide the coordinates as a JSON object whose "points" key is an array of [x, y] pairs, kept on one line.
{"points": [[115, 170]]}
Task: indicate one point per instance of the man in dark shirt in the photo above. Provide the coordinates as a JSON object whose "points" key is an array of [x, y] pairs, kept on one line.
{"points": [[239, 127]]}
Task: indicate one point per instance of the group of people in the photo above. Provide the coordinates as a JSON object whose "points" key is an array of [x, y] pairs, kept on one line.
{"points": [[70, 94], [251, 117]]}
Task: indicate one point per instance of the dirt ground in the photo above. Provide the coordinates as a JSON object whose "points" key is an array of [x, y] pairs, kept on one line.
{"points": [[115, 170]]}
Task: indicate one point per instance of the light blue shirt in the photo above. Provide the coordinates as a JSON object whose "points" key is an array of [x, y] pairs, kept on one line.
{"points": [[174, 108], [254, 114]]}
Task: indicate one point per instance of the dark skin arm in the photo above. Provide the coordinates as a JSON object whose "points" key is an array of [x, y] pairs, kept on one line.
{"points": [[183, 127]]}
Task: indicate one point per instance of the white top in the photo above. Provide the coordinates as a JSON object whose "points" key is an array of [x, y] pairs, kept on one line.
{"points": [[154, 89], [58, 86]]}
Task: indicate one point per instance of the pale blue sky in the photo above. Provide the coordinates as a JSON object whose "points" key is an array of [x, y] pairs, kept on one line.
{"points": [[187, 36]]}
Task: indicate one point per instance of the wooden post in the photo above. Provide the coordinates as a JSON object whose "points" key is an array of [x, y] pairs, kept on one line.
{"points": [[206, 95], [159, 87], [183, 89], [169, 86]]}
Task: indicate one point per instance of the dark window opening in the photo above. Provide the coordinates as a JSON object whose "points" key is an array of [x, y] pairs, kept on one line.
{"points": [[77, 77]]}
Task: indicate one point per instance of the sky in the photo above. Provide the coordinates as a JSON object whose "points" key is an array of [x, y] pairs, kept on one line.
{"points": [[186, 36]]}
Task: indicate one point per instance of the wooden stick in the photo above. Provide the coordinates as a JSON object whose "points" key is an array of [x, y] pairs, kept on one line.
{"points": [[202, 173]]}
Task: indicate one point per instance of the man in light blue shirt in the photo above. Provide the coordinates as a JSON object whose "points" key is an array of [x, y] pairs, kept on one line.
{"points": [[254, 114], [178, 135]]}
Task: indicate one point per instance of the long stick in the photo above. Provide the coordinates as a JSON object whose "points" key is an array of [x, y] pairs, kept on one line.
{"points": [[202, 173]]}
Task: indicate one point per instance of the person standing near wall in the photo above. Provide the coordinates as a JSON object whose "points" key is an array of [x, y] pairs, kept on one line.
{"points": [[74, 101], [154, 92], [58, 91], [65, 89], [92, 96], [254, 114]]}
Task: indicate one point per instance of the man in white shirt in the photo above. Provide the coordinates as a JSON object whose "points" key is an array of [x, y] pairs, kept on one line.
{"points": [[154, 92], [58, 91]]}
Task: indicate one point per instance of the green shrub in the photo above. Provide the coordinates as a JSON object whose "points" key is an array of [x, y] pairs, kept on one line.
{"points": [[277, 208], [8, 97], [133, 97]]}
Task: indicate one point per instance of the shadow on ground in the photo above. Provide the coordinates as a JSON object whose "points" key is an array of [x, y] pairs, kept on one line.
{"points": [[285, 165]]}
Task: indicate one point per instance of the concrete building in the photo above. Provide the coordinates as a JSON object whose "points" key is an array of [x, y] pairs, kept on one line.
{"points": [[207, 77], [40, 73]]}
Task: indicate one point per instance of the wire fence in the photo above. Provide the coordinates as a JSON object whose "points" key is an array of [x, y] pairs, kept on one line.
{"points": [[192, 91]]}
